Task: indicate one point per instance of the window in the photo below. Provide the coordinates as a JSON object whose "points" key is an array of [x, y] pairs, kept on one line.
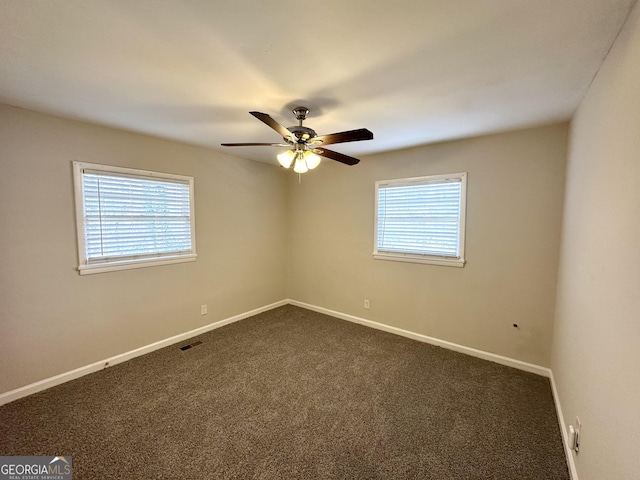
{"points": [[421, 219], [132, 218]]}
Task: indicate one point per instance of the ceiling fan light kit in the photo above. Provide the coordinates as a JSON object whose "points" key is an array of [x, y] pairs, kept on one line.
{"points": [[304, 143], [304, 161]]}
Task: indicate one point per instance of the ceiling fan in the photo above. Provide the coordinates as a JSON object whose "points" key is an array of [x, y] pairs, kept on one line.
{"points": [[305, 145]]}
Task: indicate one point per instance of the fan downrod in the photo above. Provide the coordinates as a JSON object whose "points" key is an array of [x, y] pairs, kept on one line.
{"points": [[300, 113]]}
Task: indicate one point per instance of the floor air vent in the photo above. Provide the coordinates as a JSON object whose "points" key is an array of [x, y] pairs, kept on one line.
{"points": [[187, 347]]}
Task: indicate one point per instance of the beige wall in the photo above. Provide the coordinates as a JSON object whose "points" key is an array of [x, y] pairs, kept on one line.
{"points": [[596, 347], [514, 203], [53, 320]]}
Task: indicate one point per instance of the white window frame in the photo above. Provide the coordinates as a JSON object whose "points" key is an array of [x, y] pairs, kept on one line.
{"points": [[84, 266], [458, 261]]}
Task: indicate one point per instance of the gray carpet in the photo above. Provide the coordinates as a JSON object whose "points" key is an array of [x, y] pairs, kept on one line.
{"points": [[291, 394]]}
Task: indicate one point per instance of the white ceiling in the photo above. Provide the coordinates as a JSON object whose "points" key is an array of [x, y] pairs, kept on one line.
{"points": [[411, 71]]}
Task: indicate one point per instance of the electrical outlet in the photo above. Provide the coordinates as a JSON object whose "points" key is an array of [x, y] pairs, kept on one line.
{"points": [[203, 309], [367, 305]]}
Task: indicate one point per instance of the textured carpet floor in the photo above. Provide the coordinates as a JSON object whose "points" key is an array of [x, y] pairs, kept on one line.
{"points": [[295, 394]]}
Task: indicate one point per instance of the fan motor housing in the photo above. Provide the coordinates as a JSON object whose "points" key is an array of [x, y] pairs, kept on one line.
{"points": [[302, 133]]}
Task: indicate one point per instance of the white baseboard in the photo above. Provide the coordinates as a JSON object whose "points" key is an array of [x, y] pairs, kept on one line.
{"points": [[510, 362], [123, 357], [573, 472]]}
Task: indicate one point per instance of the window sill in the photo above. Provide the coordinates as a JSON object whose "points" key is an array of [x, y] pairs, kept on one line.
{"points": [[404, 257], [129, 264]]}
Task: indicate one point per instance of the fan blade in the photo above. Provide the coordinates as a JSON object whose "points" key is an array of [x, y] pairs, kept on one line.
{"points": [[263, 117], [338, 157], [343, 137], [255, 145]]}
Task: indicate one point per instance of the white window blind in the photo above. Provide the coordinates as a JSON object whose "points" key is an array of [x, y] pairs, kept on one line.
{"points": [[130, 218], [421, 219]]}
